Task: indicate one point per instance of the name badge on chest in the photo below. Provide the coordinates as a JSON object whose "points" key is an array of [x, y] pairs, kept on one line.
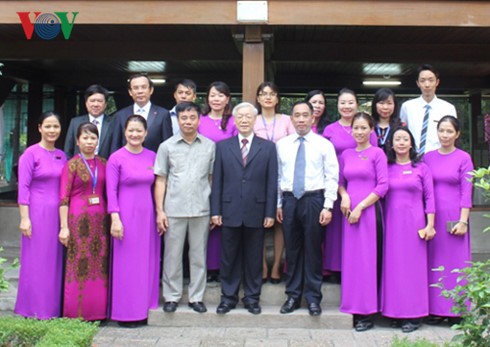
{"points": [[94, 199]]}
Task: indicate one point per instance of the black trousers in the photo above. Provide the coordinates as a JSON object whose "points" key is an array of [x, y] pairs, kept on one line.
{"points": [[303, 237], [241, 254]]}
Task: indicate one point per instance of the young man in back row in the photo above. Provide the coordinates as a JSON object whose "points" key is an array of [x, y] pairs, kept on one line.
{"points": [[422, 114]]}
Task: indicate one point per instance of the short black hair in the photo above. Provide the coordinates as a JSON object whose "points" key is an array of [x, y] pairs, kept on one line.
{"points": [[87, 127], [96, 89], [300, 102], [138, 75], [186, 83], [427, 67], [187, 106]]}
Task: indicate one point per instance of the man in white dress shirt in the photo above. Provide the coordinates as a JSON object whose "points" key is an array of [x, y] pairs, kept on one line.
{"points": [[308, 181], [413, 111], [185, 90]]}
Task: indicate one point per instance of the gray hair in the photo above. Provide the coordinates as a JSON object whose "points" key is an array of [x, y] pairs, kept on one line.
{"points": [[243, 105]]}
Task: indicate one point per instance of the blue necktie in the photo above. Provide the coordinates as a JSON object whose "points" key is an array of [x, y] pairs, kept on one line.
{"points": [[299, 170], [425, 125]]}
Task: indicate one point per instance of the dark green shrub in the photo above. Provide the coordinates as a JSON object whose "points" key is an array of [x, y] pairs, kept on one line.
{"points": [[405, 342], [60, 332]]}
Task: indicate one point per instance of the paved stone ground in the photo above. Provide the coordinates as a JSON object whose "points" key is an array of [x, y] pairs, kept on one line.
{"points": [[112, 335]]}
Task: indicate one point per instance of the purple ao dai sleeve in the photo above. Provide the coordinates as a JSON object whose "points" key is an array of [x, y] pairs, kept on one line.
{"points": [[381, 167], [27, 164], [428, 186], [113, 169]]}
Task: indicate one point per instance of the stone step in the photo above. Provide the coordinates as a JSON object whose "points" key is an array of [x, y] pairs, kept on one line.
{"points": [[270, 317], [272, 294]]}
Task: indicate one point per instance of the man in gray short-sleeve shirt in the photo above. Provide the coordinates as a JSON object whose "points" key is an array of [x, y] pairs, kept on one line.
{"points": [[183, 168]]}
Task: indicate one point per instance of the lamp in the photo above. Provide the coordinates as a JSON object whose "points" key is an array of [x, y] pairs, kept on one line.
{"points": [[379, 83]]}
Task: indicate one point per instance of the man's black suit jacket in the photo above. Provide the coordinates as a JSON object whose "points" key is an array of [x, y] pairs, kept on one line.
{"points": [[159, 127]]}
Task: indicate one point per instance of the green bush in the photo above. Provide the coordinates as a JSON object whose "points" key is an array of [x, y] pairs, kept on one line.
{"points": [[405, 342], [473, 285], [59, 332], [4, 284]]}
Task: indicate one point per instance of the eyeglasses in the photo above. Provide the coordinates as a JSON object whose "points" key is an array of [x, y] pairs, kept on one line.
{"points": [[268, 95]]}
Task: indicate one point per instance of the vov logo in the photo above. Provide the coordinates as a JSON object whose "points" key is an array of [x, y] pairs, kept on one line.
{"points": [[47, 25]]}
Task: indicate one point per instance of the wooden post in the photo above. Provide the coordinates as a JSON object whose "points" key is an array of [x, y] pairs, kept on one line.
{"points": [[253, 62]]}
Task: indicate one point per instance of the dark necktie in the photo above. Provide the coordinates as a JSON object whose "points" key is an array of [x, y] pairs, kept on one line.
{"points": [[425, 125], [244, 151], [299, 170]]}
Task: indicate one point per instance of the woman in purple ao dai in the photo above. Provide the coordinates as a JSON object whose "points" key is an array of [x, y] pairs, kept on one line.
{"points": [[135, 244], [340, 134], [363, 181], [41, 255], [409, 224], [216, 124], [452, 189]]}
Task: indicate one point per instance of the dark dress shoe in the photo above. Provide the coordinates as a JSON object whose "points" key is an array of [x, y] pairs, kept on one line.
{"points": [[454, 320], [198, 306], [364, 324], [314, 309], [264, 280], [253, 308], [289, 306], [223, 308], [434, 320], [410, 325], [396, 323], [275, 280], [133, 324], [170, 306]]}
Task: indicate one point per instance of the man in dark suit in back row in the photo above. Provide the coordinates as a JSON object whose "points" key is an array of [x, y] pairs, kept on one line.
{"points": [[96, 103], [140, 88], [243, 202]]}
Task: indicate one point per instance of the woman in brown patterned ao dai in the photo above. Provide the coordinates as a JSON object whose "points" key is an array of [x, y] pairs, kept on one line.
{"points": [[84, 230]]}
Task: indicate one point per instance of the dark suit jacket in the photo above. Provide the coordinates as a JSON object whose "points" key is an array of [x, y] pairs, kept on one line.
{"points": [[105, 138], [159, 127], [244, 195]]}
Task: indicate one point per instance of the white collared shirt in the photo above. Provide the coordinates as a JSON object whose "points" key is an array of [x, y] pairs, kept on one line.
{"points": [[100, 120], [412, 113], [175, 121], [322, 167], [142, 111]]}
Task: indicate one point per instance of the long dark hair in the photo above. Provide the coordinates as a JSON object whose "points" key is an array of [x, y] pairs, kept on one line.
{"points": [[324, 119], [221, 87], [413, 155]]}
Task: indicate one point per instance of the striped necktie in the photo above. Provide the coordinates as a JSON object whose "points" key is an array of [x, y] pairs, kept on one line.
{"points": [[425, 125], [244, 150]]}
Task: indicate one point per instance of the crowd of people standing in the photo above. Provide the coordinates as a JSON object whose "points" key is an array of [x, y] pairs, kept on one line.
{"points": [[362, 200]]}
